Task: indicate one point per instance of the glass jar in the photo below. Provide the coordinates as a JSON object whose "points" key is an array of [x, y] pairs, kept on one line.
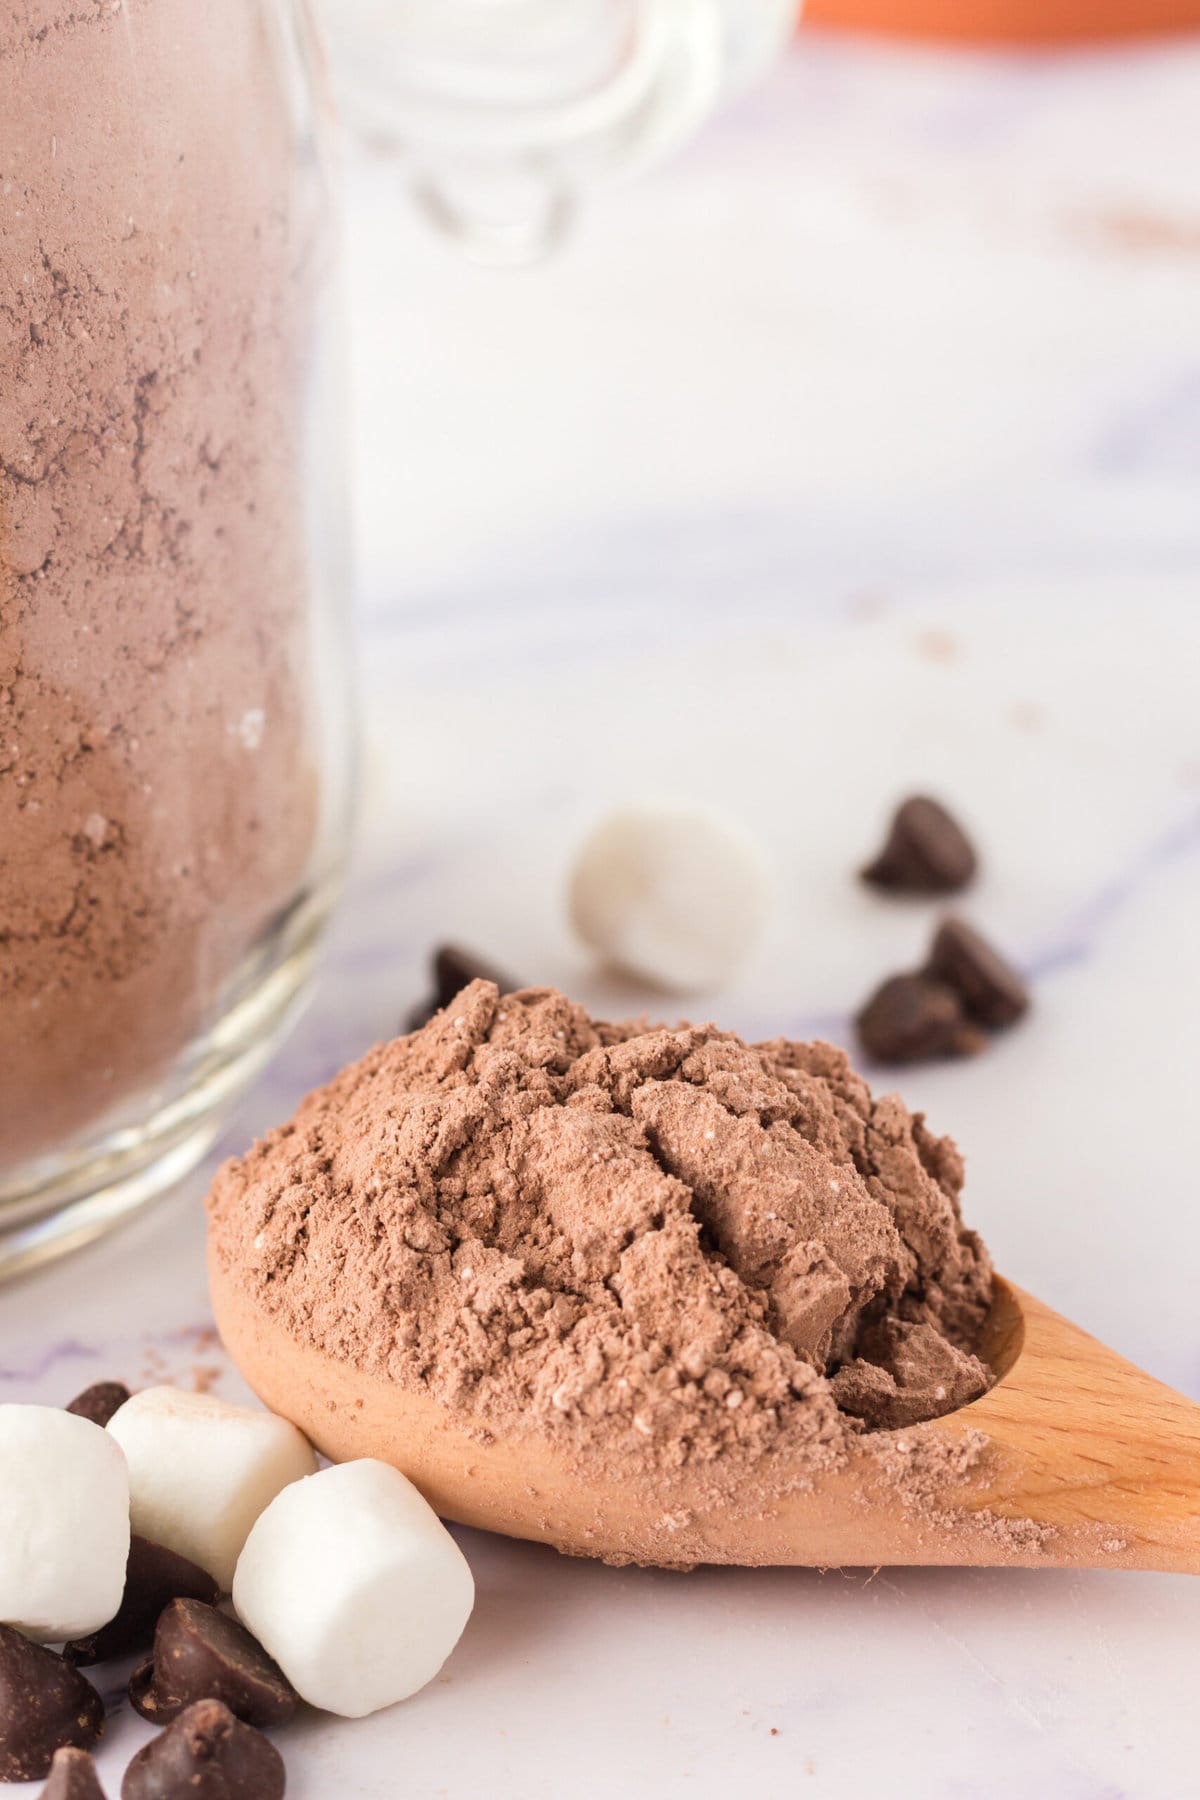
{"points": [[503, 114], [174, 742]]}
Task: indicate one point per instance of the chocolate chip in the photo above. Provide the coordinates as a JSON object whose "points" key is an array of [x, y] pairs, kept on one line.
{"points": [[44, 1705], [99, 1402], [990, 988], [454, 969], [927, 852], [206, 1754], [912, 1018], [143, 1697], [73, 1777], [202, 1654], [153, 1578]]}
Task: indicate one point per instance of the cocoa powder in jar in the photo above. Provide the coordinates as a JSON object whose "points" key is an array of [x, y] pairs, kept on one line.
{"points": [[159, 255]]}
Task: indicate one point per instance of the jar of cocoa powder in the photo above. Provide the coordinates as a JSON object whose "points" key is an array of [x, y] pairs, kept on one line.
{"points": [[174, 742], [174, 720]]}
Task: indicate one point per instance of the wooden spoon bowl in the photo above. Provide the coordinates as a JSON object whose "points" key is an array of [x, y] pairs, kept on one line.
{"points": [[1087, 1462]]}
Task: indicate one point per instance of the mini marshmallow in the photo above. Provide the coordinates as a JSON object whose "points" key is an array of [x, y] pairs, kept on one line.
{"points": [[672, 896], [64, 1523], [201, 1470], [355, 1587]]}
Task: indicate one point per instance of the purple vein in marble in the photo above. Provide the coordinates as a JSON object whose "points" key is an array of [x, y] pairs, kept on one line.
{"points": [[1075, 940], [118, 1352], [66, 1350]]}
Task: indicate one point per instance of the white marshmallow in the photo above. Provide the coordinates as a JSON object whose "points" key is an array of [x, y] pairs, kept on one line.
{"points": [[201, 1470], [355, 1587], [673, 896], [64, 1523]]}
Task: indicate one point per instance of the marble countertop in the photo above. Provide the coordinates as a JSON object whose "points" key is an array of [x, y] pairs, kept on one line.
{"points": [[856, 451]]}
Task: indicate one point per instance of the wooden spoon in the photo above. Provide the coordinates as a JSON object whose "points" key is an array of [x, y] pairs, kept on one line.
{"points": [[1088, 1463]]}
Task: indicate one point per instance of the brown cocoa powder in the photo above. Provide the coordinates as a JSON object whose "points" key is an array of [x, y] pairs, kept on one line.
{"points": [[157, 804], [663, 1243]]}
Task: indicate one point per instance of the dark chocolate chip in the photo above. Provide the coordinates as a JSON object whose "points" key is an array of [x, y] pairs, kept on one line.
{"points": [[144, 1699], [99, 1402], [454, 969], [914, 1019], [927, 852], [153, 1578], [991, 990], [202, 1654], [206, 1754], [44, 1705], [73, 1777]]}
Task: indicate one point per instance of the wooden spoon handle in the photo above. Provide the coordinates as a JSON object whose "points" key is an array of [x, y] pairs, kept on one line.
{"points": [[1085, 1443]]}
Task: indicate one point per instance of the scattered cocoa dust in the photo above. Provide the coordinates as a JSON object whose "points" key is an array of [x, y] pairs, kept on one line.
{"points": [[664, 1244]]}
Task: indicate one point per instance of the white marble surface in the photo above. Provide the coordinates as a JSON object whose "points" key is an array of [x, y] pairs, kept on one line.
{"points": [[858, 450]]}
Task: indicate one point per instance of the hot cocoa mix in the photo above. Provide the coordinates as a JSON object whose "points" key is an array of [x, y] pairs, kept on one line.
{"points": [[661, 1242], [156, 796]]}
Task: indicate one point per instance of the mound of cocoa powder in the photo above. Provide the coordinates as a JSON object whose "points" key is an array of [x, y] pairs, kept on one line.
{"points": [[618, 1233], [160, 244]]}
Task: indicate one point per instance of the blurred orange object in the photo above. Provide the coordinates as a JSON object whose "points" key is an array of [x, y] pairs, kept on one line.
{"points": [[1007, 21]]}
